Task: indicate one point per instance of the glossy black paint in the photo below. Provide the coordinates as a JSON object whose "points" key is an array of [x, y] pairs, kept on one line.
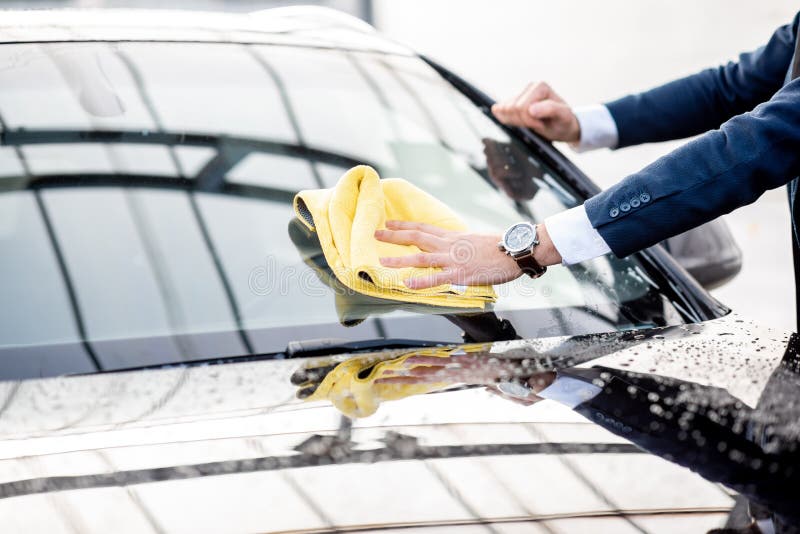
{"points": [[704, 396], [236, 421]]}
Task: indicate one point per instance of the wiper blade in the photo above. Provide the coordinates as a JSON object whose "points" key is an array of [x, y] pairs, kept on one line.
{"points": [[329, 346], [297, 349]]}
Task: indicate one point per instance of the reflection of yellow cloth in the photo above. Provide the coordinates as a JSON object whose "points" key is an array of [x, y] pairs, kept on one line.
{"points": [[345, 219], [356, 394]]}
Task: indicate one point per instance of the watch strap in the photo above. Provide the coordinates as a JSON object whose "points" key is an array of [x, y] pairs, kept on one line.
{"points": [[530, 266]]}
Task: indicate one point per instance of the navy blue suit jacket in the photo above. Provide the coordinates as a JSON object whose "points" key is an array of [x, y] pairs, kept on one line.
{"points": [[751, 120]]}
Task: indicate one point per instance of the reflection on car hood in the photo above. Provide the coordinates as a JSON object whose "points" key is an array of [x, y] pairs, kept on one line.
{"points": [[141, 440]]}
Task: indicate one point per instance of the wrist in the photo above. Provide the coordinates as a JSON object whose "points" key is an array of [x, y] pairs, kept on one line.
{"points": [[541, 381], [574, 136], [545, 252], [596, 128]]}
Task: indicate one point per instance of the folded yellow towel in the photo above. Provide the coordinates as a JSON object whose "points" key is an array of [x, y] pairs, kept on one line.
{"points": [[351, 385], [353, 307], [345, 219]]}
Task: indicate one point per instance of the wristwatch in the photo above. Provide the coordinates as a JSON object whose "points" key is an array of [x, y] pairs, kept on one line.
{"points": [[519, 241], [519, 389]]}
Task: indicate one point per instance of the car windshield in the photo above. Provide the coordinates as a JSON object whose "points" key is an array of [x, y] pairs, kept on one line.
{"points": [[146, 216]]}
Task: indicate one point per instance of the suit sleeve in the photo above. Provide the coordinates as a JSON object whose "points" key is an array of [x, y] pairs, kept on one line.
{"points": [[703, 101], [708, 177]]}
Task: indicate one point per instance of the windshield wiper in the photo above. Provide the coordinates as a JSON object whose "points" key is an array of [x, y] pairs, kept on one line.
{"points": [[477, 328], [299, 349], [329, 346]]}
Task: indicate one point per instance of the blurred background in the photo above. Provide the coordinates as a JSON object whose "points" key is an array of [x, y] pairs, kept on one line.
{"points": [[596, 51], [589, 52]]}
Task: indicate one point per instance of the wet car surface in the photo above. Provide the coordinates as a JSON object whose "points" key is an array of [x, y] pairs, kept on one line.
{"points": [[175, 354], [700, 396]]}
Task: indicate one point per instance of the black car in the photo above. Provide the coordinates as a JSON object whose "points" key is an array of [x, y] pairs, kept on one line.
{"points": [[176, 355]]}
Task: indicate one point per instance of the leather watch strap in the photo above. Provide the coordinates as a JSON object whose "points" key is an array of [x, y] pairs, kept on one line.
{"points": [[530, 266]]}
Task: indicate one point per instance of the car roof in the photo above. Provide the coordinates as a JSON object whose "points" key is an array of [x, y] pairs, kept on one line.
{"points": [[297, 26]]}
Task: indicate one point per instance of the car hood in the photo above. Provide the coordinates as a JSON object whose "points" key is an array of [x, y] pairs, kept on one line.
{"points": [[235, 437]]}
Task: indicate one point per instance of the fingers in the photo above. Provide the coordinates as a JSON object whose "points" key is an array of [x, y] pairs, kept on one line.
{"points": [[426, 237], [466, 259], [423, 240], [534, 93], [541, 91], [515, 111], [544, 117], [430, 360], [422, 259], [445, 276], [503, 111], [519, 106], [412, 225], [545, 109]]}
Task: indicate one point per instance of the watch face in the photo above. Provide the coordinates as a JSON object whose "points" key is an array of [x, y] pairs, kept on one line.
{"points": [[519, 237]]}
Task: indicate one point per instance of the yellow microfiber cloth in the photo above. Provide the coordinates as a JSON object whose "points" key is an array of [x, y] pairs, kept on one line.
{"points": [[351, 385], [353, 307], [345, 218]]}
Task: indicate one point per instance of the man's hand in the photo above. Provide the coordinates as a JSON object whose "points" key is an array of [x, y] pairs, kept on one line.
{"points": [[543, 111], [465, 259], [468, 369]]}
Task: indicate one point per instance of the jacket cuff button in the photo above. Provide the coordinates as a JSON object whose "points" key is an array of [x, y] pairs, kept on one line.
{"points": [[644, 197], [613, 212], [625, 207], [635, 202]]}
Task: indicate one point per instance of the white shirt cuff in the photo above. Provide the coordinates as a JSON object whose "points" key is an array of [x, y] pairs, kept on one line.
{"points": [[598, 129], [570, 391], [574, 236]]}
